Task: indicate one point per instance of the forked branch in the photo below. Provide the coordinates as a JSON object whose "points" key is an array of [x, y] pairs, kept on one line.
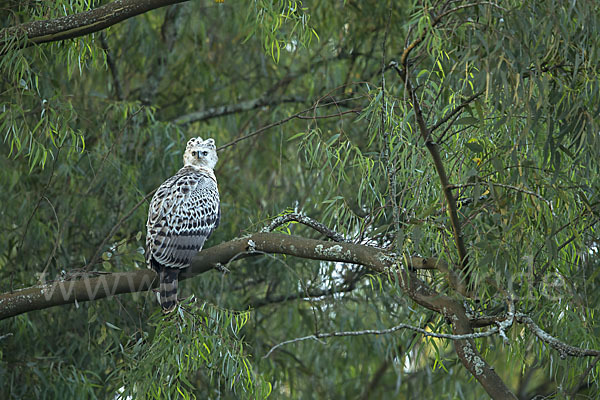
{"points": [[434, 150], [96, 285]]}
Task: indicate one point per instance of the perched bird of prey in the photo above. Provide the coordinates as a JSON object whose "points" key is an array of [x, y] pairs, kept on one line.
{"points": [[184, 211]]}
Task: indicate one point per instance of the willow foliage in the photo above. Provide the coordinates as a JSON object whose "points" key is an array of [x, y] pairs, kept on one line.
{"points": [[313, 106]]}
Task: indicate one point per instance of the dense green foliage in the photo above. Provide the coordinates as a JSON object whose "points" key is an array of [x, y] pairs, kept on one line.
{"points": [[92, 125]]}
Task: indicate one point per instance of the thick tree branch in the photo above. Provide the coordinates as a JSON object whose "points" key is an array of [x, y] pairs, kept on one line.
{"points": [[85, 287], [432, 146], [454, 311], [414, 287], [471, 358], [72, 26], [94, 285]]}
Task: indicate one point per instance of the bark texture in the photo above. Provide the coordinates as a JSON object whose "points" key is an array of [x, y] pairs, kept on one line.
{"points": [[96, 285], [72, 26]]}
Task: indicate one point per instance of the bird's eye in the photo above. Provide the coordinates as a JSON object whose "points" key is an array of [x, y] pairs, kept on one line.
{"points": [[193, 154], [205, 153]]}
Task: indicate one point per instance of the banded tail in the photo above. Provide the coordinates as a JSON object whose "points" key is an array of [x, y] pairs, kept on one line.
{"points": [[168, 288]]}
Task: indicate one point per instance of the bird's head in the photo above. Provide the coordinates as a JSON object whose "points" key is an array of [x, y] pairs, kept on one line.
{"points": [[200, 153]]}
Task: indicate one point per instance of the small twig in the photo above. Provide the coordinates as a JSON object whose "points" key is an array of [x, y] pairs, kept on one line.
{"points": [[170, 31], [410, 47], [306, 295], [398, 327], [507, 323], [114, 144], [451, 114], [338, 114], [252, 250], [580, 384], [112, 66], [39, 202], [243, 106], [222, 269], [481, 3], [303, 219], [389, 159], [538, 276], [442, 138], [298, 115], [400, 349], [502, 185], [114, 230], [56, 242]]}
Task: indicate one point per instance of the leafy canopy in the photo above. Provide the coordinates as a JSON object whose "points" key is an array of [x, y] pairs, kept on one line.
{"points": [[90, 126]]}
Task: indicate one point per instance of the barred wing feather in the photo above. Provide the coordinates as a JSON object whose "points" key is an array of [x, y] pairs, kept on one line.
{"points": [[183, 213]]}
